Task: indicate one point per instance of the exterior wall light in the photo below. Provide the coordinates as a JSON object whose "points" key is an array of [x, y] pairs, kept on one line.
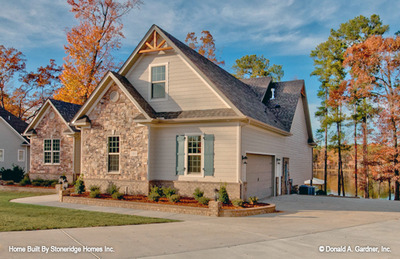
{"points": [[244, 159]]}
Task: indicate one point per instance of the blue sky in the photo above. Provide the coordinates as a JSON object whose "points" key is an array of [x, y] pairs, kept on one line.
{"points": [[284, 31]]}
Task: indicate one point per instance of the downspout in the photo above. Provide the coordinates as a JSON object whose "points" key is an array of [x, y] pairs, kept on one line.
{"points": [[239, 159]]}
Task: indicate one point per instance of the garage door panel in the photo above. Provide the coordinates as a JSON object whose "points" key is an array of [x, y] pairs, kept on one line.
{"points": [[259, 174]]}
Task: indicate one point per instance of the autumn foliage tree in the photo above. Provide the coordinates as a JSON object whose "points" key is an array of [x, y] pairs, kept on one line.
{"points": [[90, 44], [375, 66], [12, 61], [207, 46]]}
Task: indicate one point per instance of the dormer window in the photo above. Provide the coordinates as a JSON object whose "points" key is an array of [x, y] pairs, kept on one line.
{"points": [[158, 80]]}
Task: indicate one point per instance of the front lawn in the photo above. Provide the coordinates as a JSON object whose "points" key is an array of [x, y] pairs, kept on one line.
{"points": [[17, 217]]}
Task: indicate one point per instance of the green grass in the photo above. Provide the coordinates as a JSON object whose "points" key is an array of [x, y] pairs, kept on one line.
{"points": [[19, 217]]}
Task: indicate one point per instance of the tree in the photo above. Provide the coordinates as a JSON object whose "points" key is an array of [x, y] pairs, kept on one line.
{"points": [[11, 61], [207, 46], [375, 65], [90, 44], [35, 89], [328, 62], [256, 66]]}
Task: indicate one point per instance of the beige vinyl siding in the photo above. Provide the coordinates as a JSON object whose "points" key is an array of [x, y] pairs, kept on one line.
{"points": [[10, 142], [294, 147], [163, 151], [186, 90]]}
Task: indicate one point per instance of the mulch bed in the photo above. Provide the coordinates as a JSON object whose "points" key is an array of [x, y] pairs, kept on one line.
{"points": [[184, 201]]}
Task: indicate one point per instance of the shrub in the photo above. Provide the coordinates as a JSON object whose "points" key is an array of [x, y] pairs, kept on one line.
{"points": [[198, 194], [321, 192], [93, 188], [15, 174], [47, 183], [203, 200], [79, 186], [238, 203], [25, 180], [11, 182], [168, 192], [158, 190], [154, 196], [174, 198], [37, 182], [117, 196], [223, 195], [53, 184], [95, 193], [112, 188], [253, 200]]}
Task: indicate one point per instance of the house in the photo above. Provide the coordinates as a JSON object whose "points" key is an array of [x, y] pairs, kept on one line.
{"points": [[55, 144], [171, 117], [14, 148]]}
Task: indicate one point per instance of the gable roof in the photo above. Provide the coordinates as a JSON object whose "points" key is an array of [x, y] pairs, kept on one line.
{"points": [[16, 123], [248, 98], [65, 110]]}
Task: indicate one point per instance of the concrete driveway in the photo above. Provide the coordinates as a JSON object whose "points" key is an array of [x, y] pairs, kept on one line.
{"points": [[313, 227]]}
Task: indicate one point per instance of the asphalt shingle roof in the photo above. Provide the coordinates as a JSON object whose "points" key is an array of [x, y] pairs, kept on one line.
{"points": [[18, 124], [67, 110]]}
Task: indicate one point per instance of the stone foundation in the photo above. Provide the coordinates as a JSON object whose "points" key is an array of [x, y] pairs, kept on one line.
{"points": [[49, 176], [186, 188], [125, 186]]}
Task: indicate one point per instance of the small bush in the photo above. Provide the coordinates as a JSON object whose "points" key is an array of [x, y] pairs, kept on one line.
{"points": [[93, 188], [238, 203], [48, 183], [198, 194], [154, 196], [156, 189], [11, 182], [53, 184], [223, 195], [117, 196], [95, 193], [112, 188], [253, 200], [15, 174], [174, 198], [37, 182], [321, 192], [25, 181], [79, 186], [203, 200], [168, 192]]}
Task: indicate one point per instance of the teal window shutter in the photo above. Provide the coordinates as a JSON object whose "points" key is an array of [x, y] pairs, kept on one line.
{"points": [[208, 154], [180, 155]]}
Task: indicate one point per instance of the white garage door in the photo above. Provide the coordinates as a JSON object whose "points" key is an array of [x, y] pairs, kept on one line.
{"points": [[259, 175]]}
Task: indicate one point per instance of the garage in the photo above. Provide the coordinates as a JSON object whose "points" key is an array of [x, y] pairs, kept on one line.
{"points": [[259, 174]]}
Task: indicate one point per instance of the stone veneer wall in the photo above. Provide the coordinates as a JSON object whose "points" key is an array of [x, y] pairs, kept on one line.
{"points": [[51, 128], [115, 119], [186, 188]]}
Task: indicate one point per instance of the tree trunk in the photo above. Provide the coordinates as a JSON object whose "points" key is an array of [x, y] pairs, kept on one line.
{"points": [[339, 159], [396, 160], [390, 190], [365, 153], [326, 160], [355, 151]]}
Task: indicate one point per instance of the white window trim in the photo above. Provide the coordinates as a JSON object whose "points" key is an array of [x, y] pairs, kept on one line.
{"points": [[187, 174], [51, 151], [23, 155], [119, 155], [2, 155], [166, 82]]}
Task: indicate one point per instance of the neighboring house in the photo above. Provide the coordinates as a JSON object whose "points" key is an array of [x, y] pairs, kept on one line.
{"points": [[171, 117], [55, 144], [14, 148]]}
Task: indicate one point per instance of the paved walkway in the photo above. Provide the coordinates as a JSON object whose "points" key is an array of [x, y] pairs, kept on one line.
{"points": [[305, 226]]}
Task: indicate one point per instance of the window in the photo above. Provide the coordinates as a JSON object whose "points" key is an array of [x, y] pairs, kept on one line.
{"points": [[21, 155], [1, 155], [194, 154], [158, 82], [113, 154], [51, 151]]}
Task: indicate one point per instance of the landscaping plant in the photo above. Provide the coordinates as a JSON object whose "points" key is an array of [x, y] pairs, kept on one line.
{"points": [[253, 200], [15, 174], [79, 186], [94, 191], [174, 198], [117, 196], [203, 200], [238, 203], [25, 180], [112, 188], [168, 192], [198, 194], [223, 195]]}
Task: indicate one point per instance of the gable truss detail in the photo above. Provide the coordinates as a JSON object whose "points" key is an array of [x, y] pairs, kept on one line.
{"points": [[155, 47]]}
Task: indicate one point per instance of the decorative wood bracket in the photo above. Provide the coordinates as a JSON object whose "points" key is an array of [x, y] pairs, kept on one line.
{"points": [[155, 47]]}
